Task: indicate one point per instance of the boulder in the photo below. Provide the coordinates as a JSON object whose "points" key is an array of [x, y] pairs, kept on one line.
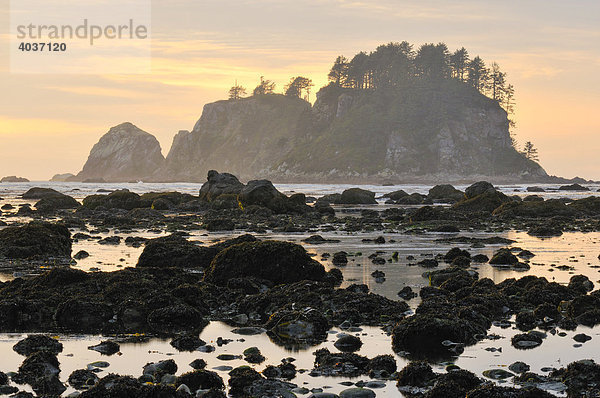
{"points": [[573, 187], [479, 188], [115, 200], [399, 194], [38, 342], [35, 240], [487, 202], [445, 193], [40, 193], [175, 251], [276, 261], [53, 203], [357, 196], [220, 184], [40, 370]]}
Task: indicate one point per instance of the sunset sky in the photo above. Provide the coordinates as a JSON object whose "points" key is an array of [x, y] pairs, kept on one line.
{"points": [[549, 49]]}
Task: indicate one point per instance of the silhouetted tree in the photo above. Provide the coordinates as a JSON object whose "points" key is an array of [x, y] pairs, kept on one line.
{"points": [[236, 92], [297, 85], [358, 71], [478, 74], [497, 82], [432, 61], [530, 151], [338, 74], [265, 87], [459, 61]]}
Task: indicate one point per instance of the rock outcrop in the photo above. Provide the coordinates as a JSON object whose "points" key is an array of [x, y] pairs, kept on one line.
{"points": [[125, 153], [447, 133]]}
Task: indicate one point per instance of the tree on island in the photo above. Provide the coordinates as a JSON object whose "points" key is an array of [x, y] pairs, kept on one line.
{"points": [[236, 92], [297, 85], [530, 152], [459, 63], [265, 87]]}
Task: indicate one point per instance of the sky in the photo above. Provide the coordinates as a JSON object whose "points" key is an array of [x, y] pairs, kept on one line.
{"points": [[549, 49]]}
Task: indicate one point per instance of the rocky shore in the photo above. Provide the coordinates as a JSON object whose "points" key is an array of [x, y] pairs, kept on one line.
{"points": [[276, 287]]}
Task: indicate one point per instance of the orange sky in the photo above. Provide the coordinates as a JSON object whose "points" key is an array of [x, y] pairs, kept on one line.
{"points": [[549, 49]]}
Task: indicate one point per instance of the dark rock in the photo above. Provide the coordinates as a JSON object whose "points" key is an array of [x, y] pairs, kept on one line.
{"points": [[416, 374], [220, 184], [81, 254], [573, 187], [38, 342], [175, 251], [158, 369], [116, 200], [82, 379], [545, 231], [445, 193], [480, 258], [36, 239], [357, 196], [52, 203], [82, 316], [198, 364], [486, 202], [289, 327], [40, 370], [339, 364], [535, 189], [581, 337], [40, 193], [263, 193], [454, 253], [242, 377], [479, 188], [357, 392], [318, 239], [253, 355], [504, 257], [107, 347], [581, 284], [348, 343], [581, 377], [219, 225], [279, 262], [395, 195], [533, 198], [407, 293], [340, 258], [519, 367], [526, 340], [187, 342], [176, 318]]}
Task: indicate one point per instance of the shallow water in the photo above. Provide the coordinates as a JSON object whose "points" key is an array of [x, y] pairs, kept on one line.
{"points": [[578, 251]]}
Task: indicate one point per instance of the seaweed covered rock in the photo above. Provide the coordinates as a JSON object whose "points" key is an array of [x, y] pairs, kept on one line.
{"points": [[176, 318], [430, 334], [115, 200], [35, 240], [40, 193], [40, 370], [114, 385], [444, 193], [339, 364], [493, 391], [264, 194], [289, 327], [581, 377], [218, 184], [479, 188], [504, 257], [275, 261], [416, 374], [485, 202], [38, 342], [80, 315], [241, 378], [357, 196], [82, 379], [175, 251], [201, 379], [58, 202], [535, 209]]}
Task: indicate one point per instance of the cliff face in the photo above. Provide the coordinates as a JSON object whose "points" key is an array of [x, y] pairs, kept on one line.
{"points": [[125, 153], [244, 137], [447, 132]]}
